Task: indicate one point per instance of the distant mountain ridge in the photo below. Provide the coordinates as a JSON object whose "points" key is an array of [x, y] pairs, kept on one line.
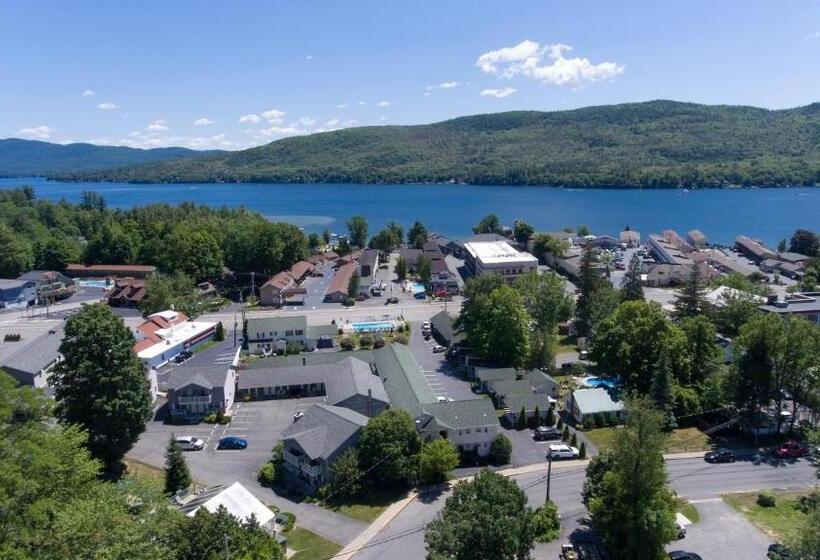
{"points": [[35, 157], [649, 144]]}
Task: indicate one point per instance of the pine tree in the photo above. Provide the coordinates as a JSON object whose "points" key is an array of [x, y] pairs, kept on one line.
{"points": [[631, 289], [521, 422], [661, 391], [177, 476], [582, 452], [565, 435], [574, 440], [219, 335], [691, 300], [550, 419], [537, 417], [589, 283]]}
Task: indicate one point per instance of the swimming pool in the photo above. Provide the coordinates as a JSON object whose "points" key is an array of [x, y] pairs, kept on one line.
{"points": [[95, 284], [373, 326], [602, 382]]}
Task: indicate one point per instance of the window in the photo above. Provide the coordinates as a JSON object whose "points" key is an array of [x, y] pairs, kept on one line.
{"points": [[288, 333], [468, 430], [299, 332], [485, 430]]}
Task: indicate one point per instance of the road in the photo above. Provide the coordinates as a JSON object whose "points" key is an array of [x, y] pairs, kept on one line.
{"points": [[692, 478]]}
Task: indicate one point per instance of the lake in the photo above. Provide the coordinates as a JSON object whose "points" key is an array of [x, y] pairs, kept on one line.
{"points": [[452, 210]]}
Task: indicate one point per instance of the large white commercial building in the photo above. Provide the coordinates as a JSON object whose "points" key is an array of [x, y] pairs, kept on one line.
{"points": [[497, 257]]}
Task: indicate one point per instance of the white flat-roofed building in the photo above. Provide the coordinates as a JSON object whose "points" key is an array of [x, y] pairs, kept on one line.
{"points": [[166, 334], [497, 257]]}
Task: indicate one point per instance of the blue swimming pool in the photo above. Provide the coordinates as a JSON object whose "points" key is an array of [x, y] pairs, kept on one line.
{"points": [[373, 326], [104, 284], [602, 382]]}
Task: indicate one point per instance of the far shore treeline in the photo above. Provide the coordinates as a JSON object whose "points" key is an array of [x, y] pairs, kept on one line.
{"points": [[656, 144]]}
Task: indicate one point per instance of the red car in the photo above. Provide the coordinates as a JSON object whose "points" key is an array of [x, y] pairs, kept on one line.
{"points": [[790, 449]]}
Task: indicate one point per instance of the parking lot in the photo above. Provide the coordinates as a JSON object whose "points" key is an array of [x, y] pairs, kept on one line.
{"points": [[440, 374], [722, 533]]}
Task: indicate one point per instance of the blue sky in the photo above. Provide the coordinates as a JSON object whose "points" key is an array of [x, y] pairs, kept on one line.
{"points": [[185, 73]]}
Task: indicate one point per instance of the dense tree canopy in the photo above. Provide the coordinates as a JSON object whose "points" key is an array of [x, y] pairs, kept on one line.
{"points": [[357, 229], [390, 446]]}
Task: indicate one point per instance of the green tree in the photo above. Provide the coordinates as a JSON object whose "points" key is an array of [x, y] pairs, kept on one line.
{"points": [[522, 231], [195, 253], [58, 252], [398, 231], [401, 269], [550, 419], [177, 475], [175, 291], [546, 523], [326, 236], [598, 466], [314, 241], [501, 328], [734, 311], [633, 509], [357, 229], [354, 284], [799, 368], [701, 346], [546, 299], [385, 241], [521, 421], [590, 282], [805, 242], [424, 269], [101, 385], [805, 543], [544, 244], [631, 288], [219, 333], [485, 519], [582, 452], [17, 255], [390, 446], [346, 481], [582, 231], [417, 235], [438, 458], [691, 299], [207, 536], [631, 340], [111, 245], [488, 224], [500, 450]]}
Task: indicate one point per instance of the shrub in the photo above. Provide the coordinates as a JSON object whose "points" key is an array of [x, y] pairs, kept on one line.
{"points": [[267, 474], [565, 435], [546, 523], [574, 440], [550, 419], [582, 453], [611, 420], [599, 420], [289, 520], [346, 343], [766, 499], [349, 302], [560, 424], [366, 340], [12, 337], [400, 339], [588, 423], [378, 341], [500, 450], [293, 348], [246, 397]]}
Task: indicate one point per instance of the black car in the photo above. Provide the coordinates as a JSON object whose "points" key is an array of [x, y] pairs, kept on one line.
{"points": [[683, 555], [182, 356], [545, 433], [720, 456], [778, 552]]}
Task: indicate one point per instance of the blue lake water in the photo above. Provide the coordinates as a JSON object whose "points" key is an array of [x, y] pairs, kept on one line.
{"points": [[768, 214]]}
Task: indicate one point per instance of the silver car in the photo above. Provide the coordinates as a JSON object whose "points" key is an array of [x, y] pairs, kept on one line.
{"points": [[190, 443]]}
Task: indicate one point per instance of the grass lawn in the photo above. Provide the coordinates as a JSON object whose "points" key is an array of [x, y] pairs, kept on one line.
{"points": [[781, 521], [688, 510], [566, 344], [205, 345], [681, 440], [368, 508], [310, 546]]}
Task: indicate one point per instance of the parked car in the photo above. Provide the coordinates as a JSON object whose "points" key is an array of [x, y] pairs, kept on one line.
{"points": [[778, 552], [441, 399], [189, 443], [437, 349], [790, 449], [545, 433], [182, 356], [720, 456], [568, 552], [683, 555], [298, 414], [562, 451], [583, 355], [232, 442], [681, 530], [391, 300], [361, 297]]}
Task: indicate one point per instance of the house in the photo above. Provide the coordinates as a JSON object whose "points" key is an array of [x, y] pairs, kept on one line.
{"points": [[347, 383], [665, 251], [794, 270], [128, 292], [531, 403], [721, 294], [804, 304], [51, 285], [164, 335], [542, 383], [235, 498], [471, 425], [721, 262], [338, 290], [753, 250], [301, 270], [497, 257], [272, 292], [513, 390], [664, 274], [794, 258], [272, 334], [110, 270], [604, 242], [630, 238], [314, 441], [368, 267], [33, 363], [195, 390], [696, 239], [410, 256], [17, 294], [442, 281], [444, 331], [587, 403]]}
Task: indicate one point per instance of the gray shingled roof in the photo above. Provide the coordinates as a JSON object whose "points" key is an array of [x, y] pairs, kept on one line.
{"points": [[403, 378], [204, 375], [38, 354], [462, 414], [529, 402], [511, 387], [310, 359], [488, 374], [324, 429], [593, 401]]}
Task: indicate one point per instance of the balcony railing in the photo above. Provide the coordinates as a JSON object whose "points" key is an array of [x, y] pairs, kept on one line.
{"points": [[200, 399]]}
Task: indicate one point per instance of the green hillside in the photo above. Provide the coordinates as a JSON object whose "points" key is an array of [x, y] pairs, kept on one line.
{"points": [[652, 144], [20, 158]]}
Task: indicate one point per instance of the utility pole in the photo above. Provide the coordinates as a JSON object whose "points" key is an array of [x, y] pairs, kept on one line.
{"points": [[253, 284], [235, 324], [549, 474], [227, 550]]}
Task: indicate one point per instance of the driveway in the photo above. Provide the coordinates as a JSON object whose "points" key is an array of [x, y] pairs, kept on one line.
{"points": [[439, 373]]}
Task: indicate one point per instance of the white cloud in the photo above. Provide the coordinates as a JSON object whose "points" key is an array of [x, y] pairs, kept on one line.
{"points": [[307, 121], [203, 121], [382, 118], [88, 93], [332, 122], [350, 122], [546, 64], [443, 85], [309, 57], [108, 106], [812, 36], [249, 119], [498, 93], [384, 104], [273, 116], [360, 103], [158, 126], [41, 132], [341, 106]]}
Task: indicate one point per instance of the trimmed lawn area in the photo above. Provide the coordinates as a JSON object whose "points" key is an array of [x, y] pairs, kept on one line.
{"points": [[688, 510], [310, 546], [368, 507], [781, 522], [680, 441], [205, 345]]}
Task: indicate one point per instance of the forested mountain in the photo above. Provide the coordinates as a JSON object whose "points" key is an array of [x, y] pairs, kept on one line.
{"points": [[20, 158], [652, 144]]}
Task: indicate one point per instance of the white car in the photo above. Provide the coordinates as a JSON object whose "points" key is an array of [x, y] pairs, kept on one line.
{"points": [[562, 451], [441, 399], [438, 349], [190, 443]]}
